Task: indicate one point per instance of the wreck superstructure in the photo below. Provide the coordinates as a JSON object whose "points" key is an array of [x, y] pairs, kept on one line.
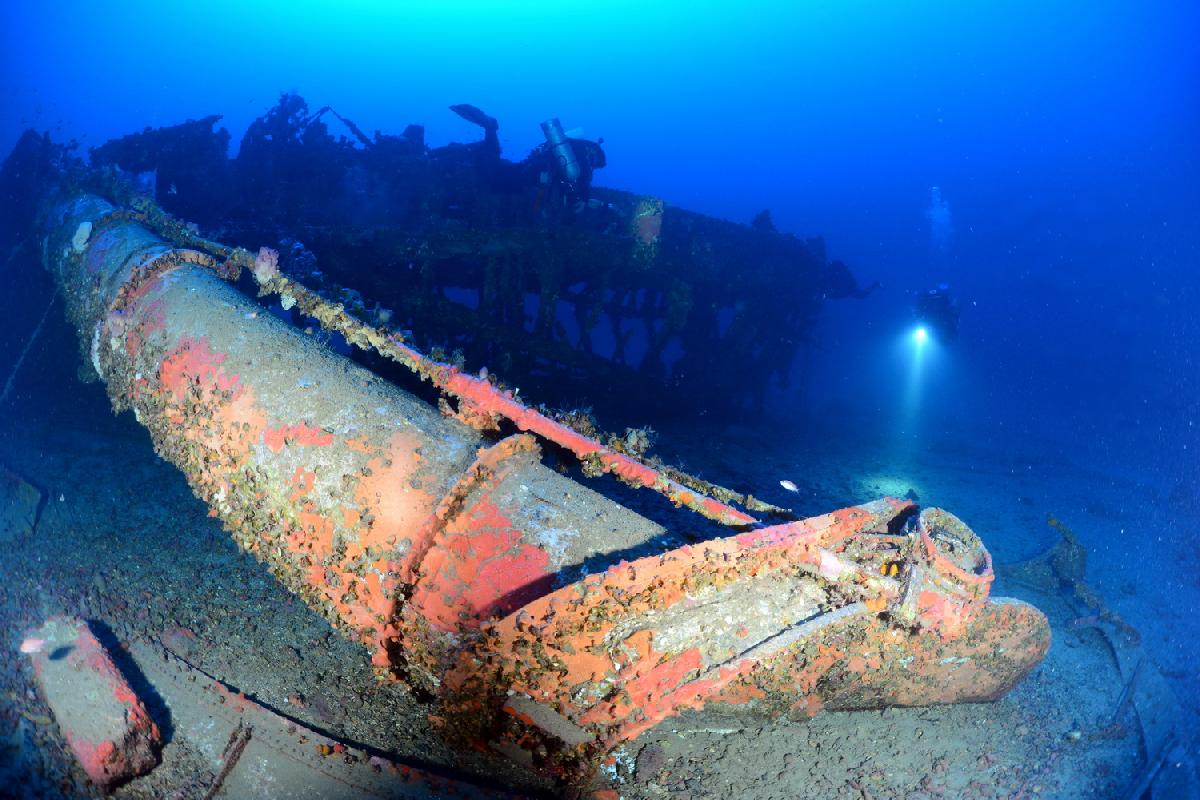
{"points": [[481, 255]]}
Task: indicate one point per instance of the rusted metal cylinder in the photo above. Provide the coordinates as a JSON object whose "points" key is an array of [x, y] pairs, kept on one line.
{"points": [[491, 580], [357, 494]]}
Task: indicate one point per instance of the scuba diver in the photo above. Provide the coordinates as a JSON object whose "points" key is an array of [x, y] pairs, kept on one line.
{"points": [[937, 311], [567, 165], [562, 166]]}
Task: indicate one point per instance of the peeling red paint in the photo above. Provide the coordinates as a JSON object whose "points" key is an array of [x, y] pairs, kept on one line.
{"points": [[300, 435], [392, 494], [303, 481], [96, 758], [479, 569], [193, 360]]}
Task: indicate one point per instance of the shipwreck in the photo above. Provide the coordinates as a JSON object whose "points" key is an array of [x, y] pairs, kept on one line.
{"points": [[430, 517]]}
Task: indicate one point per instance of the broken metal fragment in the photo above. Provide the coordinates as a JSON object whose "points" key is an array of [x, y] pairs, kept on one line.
{"points": [[103, 720]]}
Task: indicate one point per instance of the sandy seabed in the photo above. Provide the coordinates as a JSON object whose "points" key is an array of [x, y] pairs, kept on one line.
{"points": [[121, 541]]}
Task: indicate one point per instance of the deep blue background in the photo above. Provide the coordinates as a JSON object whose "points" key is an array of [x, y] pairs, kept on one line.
{"points": [[1063, 136]]}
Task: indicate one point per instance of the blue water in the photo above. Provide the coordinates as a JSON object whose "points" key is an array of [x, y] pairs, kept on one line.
{"points": [[1061, 136]]}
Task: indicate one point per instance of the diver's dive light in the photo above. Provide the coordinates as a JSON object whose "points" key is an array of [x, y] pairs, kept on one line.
{"points": [[552, 129]]}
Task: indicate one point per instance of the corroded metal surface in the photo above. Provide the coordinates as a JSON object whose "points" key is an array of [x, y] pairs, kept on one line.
{"points": [[780, 620], [461, 562]]}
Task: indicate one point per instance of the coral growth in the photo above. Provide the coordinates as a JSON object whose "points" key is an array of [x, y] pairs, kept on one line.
{"points": [[266, 265]]}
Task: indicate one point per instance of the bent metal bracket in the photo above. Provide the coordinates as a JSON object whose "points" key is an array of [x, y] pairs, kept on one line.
{"points": [[539, 613]]}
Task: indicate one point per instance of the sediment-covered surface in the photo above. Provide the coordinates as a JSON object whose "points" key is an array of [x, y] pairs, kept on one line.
{"points": [[122, 541]]}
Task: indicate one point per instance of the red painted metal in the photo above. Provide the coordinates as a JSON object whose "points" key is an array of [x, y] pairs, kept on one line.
{"points": [[786, 619], [103, 720]]}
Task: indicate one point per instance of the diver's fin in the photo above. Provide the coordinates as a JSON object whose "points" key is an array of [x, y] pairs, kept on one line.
{"points": [[473, 114]]}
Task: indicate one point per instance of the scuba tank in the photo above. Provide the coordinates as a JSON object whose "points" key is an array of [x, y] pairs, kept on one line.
{"points": [[560, 146]]}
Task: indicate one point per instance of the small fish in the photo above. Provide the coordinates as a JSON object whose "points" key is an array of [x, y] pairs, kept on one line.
{"points": [[31, 646], [791, 487]]}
